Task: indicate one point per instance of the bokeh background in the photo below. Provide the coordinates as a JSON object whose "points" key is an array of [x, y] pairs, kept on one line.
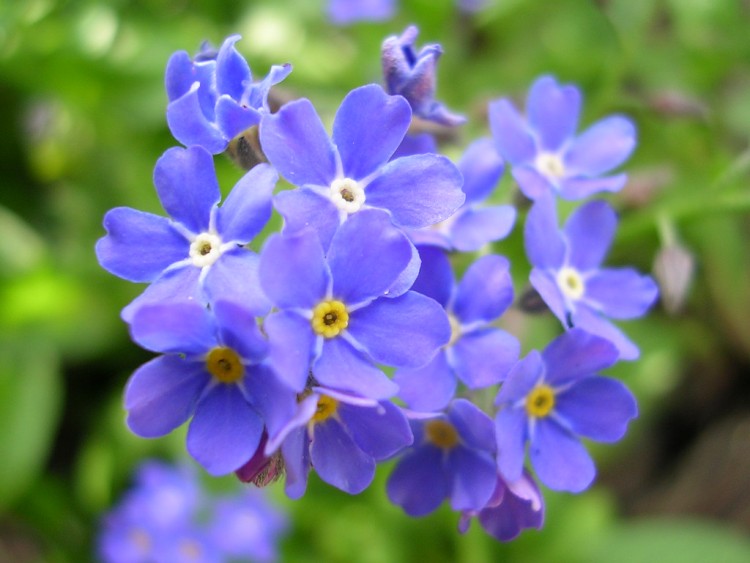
{"points": [[82, 123]]}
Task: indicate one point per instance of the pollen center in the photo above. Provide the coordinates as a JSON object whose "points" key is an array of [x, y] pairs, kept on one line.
{"points": [[550, 165], [570, 283], [225, 365], [541, 401], [441, 433], [330, 318], [347, 195], [326, 408], [205, 249]]}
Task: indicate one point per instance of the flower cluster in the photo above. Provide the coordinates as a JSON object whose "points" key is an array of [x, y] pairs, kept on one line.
{"points": [[297, 358], [167, 516]]}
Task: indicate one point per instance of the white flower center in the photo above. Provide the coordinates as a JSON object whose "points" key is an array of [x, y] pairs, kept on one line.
{"points": [[347, 195], [550, 164], [570, 283], [205, 249]]}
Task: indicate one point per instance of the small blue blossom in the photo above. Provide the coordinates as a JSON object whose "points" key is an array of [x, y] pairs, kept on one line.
{"points": [[345, 12], [452, 457], [544, 151], [473, 225], [412, 75], [339, 177], [199, 252], [552, 398], [478, 354], [568, 275], [212, 98], [513, 507], [211, 372], [335, 314]]}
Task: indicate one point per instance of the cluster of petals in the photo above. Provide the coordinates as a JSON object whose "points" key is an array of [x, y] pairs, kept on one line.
{"points": [[544, 151]]}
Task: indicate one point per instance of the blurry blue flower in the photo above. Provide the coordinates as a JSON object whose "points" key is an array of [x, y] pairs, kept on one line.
{"points": [[412, 75], [335, 315], [197, 253], [212, 98], [344, 12], [473, 225], [210, 371], [513, 507], [340, 177], [478, 354], [341, 436], [552, 398], [567, 274], [545, 153], [452, 457]]}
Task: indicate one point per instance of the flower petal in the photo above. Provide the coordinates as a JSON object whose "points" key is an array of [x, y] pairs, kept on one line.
{"points": [[405, 331], [485, 291], [591, 321], [427, 388], [225, 430], [290, 347], [233, 119], [621, 293], [179, 75], [274, 401], [239, 330], [418, 483], [560, 460], [178, 284], [337, 459], [553, 111], [297, 145], [522, 378], [531, 183], [473, 425], [546, 285], [232, 70], [590, 230], [576, 354], [510, 433], [511, 133], [304, 208], [368, 128], [139, 246], [162, 393], [474, 228], [602, 147], [484, 357], [379, 431], [186, 182], [184, 328], [235, 276], [545, 246], [190, 126], [435, 277], [297, 462], [418, 190], [247, 208], [481, 166], [473, 480], [580, 188]]}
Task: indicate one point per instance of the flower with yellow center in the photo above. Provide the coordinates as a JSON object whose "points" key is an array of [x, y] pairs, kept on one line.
{"points": [[225, 364], [540, 401], [327, 407], [441, 433], [329, 318]]}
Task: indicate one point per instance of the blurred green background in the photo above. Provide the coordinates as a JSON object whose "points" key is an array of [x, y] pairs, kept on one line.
{"points": [[82, 118]]}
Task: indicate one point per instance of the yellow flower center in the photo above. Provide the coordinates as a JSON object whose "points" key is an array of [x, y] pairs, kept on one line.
{"points": [[225, 365], [570, 283], [330, 318], [326, 408], [541, 401], [441, 433]]}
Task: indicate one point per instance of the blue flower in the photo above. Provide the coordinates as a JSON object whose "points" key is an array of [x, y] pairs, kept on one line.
{"points": [[478, 354], [212, 98], [211, 371], [335, 313], [340, 177], [452, 457], [412, 75], [568, 276], [552, 398], [344, 12], [545, 153], [473, 225], [197, 253], [513, 507]]}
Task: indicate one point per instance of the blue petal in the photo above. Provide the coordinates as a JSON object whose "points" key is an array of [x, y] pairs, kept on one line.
{"points": [[485, 291], [232, 70], [178, 284], [553, 112], [473, 478], [481, 166], [546, 285], [233, 119], [356, 276], [418, 483], [510, 432], [404, 331], [235, 276], [544, 245], [293, 271], [238, 329], [598, 408], [418, 190], [344, 12], [576, 354], [531, 183], [185, 328], [337, 459], [162, 393], [561, 462], [343, 368], [435, 277], [474, 228], [304, 208], [427, 388], [621, 293], [186, 182], [190, 126], [247, 208], [406, 278], [522, 378], [290, 347], [591, 321], [368, 128], [274, 401], [484, 357], [179, 75], [416, 144], [590, 230], [474, 426], [602, 147], [139, 246], [296, 143], [511, 133], [379, 431], [225, 430], [580, 188], [297, 462]]}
